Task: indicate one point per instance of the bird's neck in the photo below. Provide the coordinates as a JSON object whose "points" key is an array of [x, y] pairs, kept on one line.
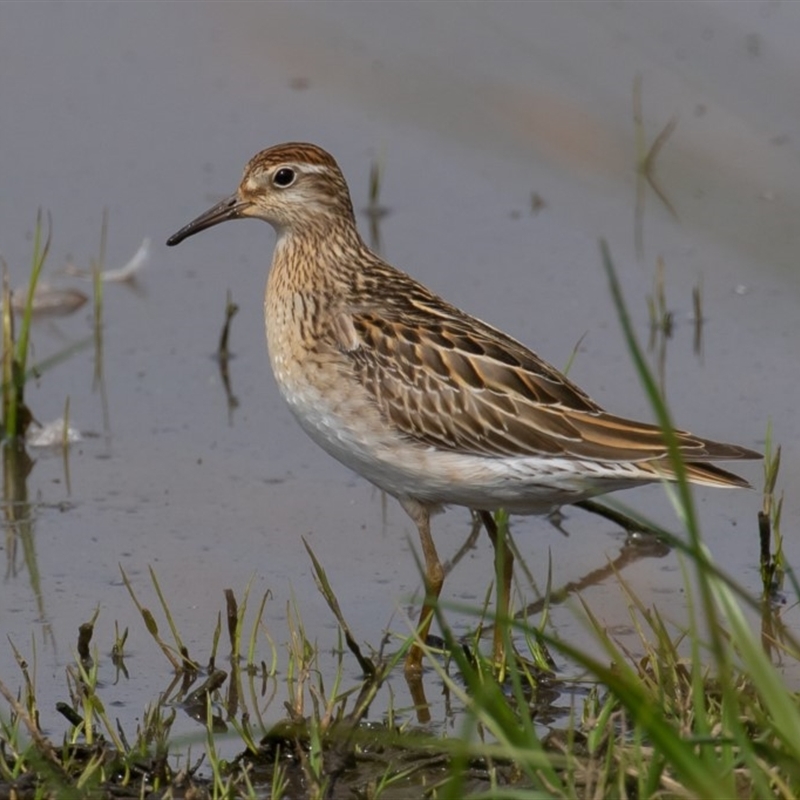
{"points": [[317, 258]]}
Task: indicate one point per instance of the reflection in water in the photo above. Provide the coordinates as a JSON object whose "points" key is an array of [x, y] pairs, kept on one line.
{"points": [[197, 702], [698, 320], [374, 211], [637, 547], [19, 522], [224, 355], [645, 166], [17, 465], [661, 324]]}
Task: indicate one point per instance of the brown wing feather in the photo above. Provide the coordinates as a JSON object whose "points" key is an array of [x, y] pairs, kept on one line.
{"points": [[453, 382]]}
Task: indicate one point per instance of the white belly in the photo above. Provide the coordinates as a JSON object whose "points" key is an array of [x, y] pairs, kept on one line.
{"points": [[403, 468]]}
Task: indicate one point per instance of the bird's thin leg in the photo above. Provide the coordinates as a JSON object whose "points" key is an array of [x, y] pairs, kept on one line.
{"points": [[434, 578], [504, 572]]}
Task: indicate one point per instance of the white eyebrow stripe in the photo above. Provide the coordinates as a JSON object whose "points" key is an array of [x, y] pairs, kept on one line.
{"points": [[316, 169]]}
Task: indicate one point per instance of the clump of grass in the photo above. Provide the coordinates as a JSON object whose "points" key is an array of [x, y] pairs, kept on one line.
{"points": [[96, 756], [16, 416], [660, 722]]}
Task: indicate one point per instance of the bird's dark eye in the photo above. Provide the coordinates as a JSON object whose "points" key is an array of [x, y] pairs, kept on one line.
{"points": [[284, 177]]}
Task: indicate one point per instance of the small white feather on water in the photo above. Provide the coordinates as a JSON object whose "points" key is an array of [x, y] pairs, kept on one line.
{"points": [[123, 274], [52, 434]]}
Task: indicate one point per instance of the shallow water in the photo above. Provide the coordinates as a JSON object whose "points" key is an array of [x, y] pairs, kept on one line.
{"points": [[151, 111]]}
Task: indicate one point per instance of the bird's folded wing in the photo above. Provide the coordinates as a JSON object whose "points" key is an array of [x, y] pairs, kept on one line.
{"points": [[461, 385]]}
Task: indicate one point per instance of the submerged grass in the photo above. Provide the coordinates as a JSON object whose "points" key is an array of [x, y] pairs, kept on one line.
{"points": [[696, 711]]}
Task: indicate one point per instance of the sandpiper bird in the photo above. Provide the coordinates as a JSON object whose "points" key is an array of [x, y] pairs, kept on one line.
{"points": [[427, 402]]}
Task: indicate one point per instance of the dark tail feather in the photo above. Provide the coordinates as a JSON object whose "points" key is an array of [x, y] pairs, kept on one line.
{"points": [[705, 474]]}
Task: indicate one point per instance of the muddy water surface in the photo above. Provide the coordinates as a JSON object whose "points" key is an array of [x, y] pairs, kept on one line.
{"points": [[152, 110]]}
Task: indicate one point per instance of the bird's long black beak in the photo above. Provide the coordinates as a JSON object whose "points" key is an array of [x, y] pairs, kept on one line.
{"points": [[229, 208]]}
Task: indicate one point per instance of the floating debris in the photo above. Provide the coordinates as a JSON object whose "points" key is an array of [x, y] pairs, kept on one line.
{"points": [[48, 299], [56, 301], [537, 203], [53, 434]]}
